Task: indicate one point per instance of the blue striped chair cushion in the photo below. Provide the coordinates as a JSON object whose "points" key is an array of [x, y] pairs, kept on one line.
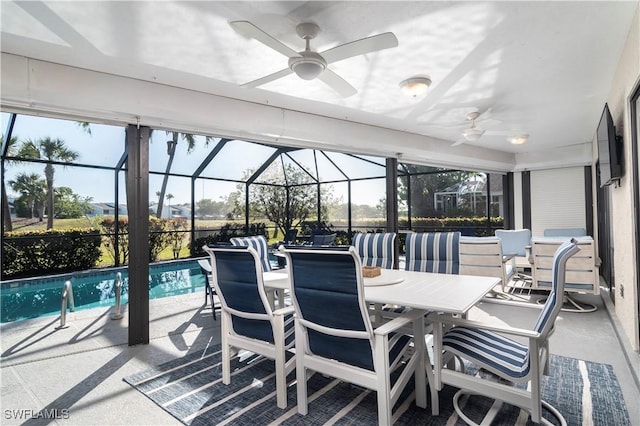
{"points": [[554, 301], [375, 249], [325, 290], [437, 252], [502, 355], [259, 243], [490, 350], [236, 276]]}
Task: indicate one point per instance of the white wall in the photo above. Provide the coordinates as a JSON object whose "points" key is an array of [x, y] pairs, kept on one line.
{"points": [[625, 248]]}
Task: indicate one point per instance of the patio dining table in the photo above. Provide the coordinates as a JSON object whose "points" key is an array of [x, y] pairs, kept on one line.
{"points": [[428, 292], [454, 294]]}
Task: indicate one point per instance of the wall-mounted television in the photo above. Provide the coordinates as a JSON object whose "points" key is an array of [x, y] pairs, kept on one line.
{"points": [[609, 150]]}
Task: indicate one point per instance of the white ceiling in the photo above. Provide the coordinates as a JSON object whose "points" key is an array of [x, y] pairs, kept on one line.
{"points": [[538, 68]]}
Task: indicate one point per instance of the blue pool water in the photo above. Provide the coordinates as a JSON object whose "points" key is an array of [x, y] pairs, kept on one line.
{"points": [[35, 297]]}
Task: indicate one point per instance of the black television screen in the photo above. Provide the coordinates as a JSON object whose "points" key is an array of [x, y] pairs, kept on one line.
{"points": [[609, 159]]}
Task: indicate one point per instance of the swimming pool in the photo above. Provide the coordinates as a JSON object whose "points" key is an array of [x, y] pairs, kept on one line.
{"points": [[35, 297]]}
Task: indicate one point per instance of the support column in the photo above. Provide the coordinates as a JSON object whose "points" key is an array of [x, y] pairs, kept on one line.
{"points": [[138, 210], [526, 199], [392, 204]]}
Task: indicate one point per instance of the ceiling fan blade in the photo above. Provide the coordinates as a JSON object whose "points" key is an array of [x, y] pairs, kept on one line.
{"points": [[360, 47], [268, 78], [337, 83], [247, 29]]}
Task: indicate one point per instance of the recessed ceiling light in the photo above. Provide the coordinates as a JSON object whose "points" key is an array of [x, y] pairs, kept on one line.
{"points": [[415, 86], [518, 140]]}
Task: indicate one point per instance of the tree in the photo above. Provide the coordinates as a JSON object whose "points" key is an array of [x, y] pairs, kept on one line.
{"points": [[69, 205], [271, 202], [50, 150], [32, 189], [171, 151], [12, 144]]}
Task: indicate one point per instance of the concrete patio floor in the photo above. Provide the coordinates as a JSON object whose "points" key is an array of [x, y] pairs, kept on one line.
{"points": [[76, 373]]}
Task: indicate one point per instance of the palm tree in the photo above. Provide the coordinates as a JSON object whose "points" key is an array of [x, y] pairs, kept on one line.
{"points": [[32, 188], [12, 144], [171, 150], [50, 150]]}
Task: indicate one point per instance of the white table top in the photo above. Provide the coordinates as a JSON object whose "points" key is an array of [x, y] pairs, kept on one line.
{"points": [[454, 294]]}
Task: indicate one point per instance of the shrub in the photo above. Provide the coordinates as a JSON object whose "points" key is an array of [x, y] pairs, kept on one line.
{"points": [[33, 253], [109, 228], [224, 234]]}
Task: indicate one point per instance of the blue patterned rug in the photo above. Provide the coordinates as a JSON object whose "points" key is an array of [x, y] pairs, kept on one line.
{"points": [[190, 389]]}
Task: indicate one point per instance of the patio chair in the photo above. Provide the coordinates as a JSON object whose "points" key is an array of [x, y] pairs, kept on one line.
{"points": [[344, 344], [259, 244], [248, 321], [375, 249], [488, 346], [565, 232], [437, 252], [583, 270], [290, 237], [209, 292], [323, 239], [483, 256], [517, 242]]}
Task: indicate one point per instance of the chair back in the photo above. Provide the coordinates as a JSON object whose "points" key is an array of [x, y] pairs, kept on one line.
{"points": [[259, 244], [565, 232], [583, 273], [375, 249], [290, 236], [237, 277], [483, 256], [205, 267], [327, 294], [554, 302], [437, 252], [323, 239], [514, 241]]}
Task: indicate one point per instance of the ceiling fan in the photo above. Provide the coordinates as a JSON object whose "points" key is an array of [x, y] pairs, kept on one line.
{"points": [[473, 133], [309, 64]]}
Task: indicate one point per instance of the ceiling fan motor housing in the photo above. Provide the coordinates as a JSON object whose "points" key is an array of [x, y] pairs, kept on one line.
{"points": [[307, 66]]}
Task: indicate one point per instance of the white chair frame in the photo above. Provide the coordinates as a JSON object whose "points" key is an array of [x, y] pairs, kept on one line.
{"points": [[231, 341], [538, 352], [377, 380], [483, 256], [583, 270]]}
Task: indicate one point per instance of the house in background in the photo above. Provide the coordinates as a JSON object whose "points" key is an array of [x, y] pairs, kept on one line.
{"points": [[171, 212], [106, 209]]}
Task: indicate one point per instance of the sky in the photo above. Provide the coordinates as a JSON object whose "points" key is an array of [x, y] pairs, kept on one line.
{"points": [[105, 144]]}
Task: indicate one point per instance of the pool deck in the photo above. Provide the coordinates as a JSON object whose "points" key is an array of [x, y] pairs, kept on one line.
{"points": [[78, 370]]}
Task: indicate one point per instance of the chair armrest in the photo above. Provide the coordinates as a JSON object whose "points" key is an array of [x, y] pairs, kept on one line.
{"points": [[507, 257], [284, 311], [399, 321], [444, 319], [529, 253]]}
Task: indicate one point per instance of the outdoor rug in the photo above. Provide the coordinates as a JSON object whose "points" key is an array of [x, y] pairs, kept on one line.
{"points": [[191, 389]]}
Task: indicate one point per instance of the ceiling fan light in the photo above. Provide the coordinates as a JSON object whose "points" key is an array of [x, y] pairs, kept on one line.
{"points": [[473, 134], [415, 87], [518, 140], [309, 66]]}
